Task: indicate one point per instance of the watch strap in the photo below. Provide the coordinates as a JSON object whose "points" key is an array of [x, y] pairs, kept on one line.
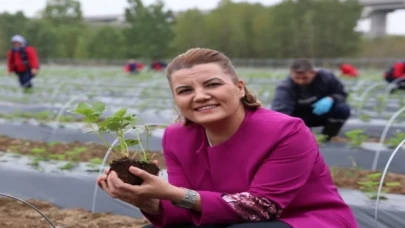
{"points": [[189, 199]]}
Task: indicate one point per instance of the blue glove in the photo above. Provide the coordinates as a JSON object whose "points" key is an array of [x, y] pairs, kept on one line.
{"points": [[322, 106]]}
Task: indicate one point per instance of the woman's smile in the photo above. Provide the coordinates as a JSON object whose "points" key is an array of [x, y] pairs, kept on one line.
{"points": [[206, 108]]}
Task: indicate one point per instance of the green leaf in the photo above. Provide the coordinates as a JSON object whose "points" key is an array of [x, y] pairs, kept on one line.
{"points": [[117, 147], [91, 118], [38, 150], [393, 184], [120, 113], [96, 161], [374, 175], [132, 142], [126, 123], [113, 126], [57, 156], [84, 109], [99, 107]]}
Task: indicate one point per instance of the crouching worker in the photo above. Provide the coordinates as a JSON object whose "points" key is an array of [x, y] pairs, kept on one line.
{"points": [[132, 67], [348, 70], [158, 65], [315, 96], [394, 73]]}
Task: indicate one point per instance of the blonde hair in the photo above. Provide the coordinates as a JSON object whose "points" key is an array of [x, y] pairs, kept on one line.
{"points": [[196, 56]]}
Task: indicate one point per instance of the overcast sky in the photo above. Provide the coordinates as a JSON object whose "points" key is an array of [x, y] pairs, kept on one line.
{"points": [[115, 7]]}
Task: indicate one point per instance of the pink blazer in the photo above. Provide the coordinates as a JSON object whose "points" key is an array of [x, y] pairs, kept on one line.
{"points": [[272, 155]]}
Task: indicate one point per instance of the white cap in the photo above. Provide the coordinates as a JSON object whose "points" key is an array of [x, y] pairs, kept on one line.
{"points": [[19, 39]]}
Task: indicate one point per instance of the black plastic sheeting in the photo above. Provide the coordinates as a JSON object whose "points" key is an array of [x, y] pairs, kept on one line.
{"points": [[342, 156], [66, 189], [74, 189], [391, 213]]}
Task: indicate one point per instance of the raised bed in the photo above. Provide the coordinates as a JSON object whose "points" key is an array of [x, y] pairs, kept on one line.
{"points": [[343, 156]]}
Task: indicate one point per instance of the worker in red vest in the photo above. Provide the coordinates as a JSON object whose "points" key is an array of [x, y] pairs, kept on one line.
{"points": [[396, 71], [348, 70], [22, 59], [158, 65], [133, 67]]}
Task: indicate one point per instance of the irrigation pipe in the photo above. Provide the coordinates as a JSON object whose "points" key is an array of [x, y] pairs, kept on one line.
{"points": [[364, 95], [32, 206], [389, 88], [61, 110], [382, 180], [384, 135]]}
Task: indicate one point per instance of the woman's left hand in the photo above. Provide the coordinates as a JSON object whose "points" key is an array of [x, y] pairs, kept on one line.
{"points": [[152, 187]]}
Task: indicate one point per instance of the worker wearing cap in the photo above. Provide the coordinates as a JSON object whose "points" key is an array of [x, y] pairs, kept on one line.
{"points": [[22, 59], [314, 95]]}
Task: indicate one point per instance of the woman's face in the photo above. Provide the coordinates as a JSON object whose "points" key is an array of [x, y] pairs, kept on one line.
{"points": [[206, 94]]}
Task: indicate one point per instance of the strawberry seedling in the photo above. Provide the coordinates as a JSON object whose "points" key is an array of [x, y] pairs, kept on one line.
{"points": [[116, 126]]}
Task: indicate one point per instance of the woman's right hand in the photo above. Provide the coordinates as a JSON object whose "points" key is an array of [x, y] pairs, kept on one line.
{"points": [[151, 206]]}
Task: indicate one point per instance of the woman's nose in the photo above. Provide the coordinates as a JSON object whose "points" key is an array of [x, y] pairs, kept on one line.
{"points": [[201, 95]]}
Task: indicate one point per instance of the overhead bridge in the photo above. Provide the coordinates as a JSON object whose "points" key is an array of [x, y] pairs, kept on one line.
{"points": [[377, 11]]}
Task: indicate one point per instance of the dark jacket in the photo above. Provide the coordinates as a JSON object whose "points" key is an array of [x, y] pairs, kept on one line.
{"points": [[290, 98]]}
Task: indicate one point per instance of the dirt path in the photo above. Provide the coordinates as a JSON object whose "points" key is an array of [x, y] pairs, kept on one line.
{"points": [[14, 214]]}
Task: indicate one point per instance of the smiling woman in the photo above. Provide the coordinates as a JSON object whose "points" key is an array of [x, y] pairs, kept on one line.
{"points": [[216, 76], [231, 162], [208, 91]]}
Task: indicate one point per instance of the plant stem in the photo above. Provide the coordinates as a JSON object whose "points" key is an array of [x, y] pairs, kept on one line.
{"points": [[147, 137], [144, 157], [123, 144], [102, 138]]}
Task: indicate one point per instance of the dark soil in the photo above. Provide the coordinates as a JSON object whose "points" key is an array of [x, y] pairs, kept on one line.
{"points": [[121, 167], [349, 178], [14, 214], [82, 151]]}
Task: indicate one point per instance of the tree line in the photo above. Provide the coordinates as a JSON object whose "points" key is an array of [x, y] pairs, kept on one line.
{"points": [[292, 28]]}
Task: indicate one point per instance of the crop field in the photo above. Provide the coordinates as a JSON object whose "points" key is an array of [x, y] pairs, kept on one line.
{"points": [[49, 157]]}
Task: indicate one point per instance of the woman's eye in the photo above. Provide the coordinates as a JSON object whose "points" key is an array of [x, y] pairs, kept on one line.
{"points": [[213, 84], [184, 91]]}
